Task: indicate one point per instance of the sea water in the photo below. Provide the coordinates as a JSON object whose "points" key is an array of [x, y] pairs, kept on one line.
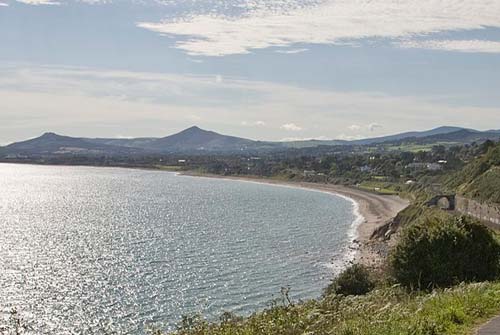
{"points": [[91, 250]]}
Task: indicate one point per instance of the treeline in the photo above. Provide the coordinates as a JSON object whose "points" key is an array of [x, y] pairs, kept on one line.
{"points": [[346, 167], [351, 165]]}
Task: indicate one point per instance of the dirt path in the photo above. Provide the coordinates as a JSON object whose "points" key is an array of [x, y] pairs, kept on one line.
{"points": [[490, 328]]}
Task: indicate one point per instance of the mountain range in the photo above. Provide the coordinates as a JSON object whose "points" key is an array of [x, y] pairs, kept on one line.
{"points": [[196, 140]]}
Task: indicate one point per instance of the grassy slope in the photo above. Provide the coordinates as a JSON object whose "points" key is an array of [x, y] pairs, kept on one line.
{"points": [[486, 187], [380, 187], [480, 179], [412, 147], [387, 311]]}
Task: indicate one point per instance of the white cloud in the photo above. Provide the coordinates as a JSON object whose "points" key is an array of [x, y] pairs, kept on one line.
{"points": [[53, 2], [295, 139], [3, 4], [39, 2], [354, 127], [120, 136], [253, 124], [349, 137], [79, 101], [470, 46], [195, 117], [292, 51], [291, 127], [374, 126], [329, 22]]}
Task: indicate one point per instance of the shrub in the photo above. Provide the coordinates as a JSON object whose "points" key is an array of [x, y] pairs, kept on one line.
{"points": [[355, 280], [440, 252]]}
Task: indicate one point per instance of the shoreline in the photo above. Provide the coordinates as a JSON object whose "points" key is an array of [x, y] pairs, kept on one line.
{"points": [[372, 211]]}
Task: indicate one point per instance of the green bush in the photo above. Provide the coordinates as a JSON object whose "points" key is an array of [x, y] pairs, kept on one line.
{"points": [[442, 252], [384, 311], [355, 280]]}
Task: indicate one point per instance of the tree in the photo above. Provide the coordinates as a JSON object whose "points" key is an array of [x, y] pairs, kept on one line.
{"points": [[355, 280], [444, 252]]}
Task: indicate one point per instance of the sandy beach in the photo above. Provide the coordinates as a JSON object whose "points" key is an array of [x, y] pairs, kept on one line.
{"points": [[376, 210]]}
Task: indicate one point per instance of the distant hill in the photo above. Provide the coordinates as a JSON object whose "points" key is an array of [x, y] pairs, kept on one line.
{"points": [[313, 143], [441, 134], [196, 140], [407, 135], [53, 144], [460, 136], [191, 140], [140, 142]]}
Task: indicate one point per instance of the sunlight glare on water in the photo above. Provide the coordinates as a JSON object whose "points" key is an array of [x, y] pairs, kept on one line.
{"points": [[86, 250]]}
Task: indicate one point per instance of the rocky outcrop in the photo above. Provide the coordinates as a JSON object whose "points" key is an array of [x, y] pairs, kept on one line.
{"points": [[385, 231]]}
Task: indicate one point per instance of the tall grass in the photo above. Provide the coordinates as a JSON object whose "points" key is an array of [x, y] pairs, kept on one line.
{"points": [[385, 311]]}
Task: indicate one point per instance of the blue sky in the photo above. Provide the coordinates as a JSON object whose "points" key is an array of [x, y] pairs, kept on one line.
{"points": [[274, 70]]}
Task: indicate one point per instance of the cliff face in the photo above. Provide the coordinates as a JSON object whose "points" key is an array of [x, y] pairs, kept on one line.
{"points": [[481, 211]]}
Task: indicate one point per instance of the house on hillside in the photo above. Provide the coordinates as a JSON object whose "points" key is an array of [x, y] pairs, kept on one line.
{"points": [[425, 166], [434, 167], [309, 173], [365, 168]]}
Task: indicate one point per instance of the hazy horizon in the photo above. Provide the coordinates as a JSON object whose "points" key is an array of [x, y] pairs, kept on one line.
{"points": [[255, 139], [267, 70]]}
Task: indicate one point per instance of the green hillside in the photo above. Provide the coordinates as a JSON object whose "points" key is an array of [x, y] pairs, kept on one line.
{"points": [[480, 179], [485, 188]]}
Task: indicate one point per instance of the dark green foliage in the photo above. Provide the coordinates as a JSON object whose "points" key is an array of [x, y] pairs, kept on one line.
{"points": [[355, 280], [440, 252], [474, 180], [229, 317], [410, 214], [486, 146]]}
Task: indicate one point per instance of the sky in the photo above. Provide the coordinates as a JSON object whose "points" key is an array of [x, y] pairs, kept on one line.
{"points": [[260, 69]]}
